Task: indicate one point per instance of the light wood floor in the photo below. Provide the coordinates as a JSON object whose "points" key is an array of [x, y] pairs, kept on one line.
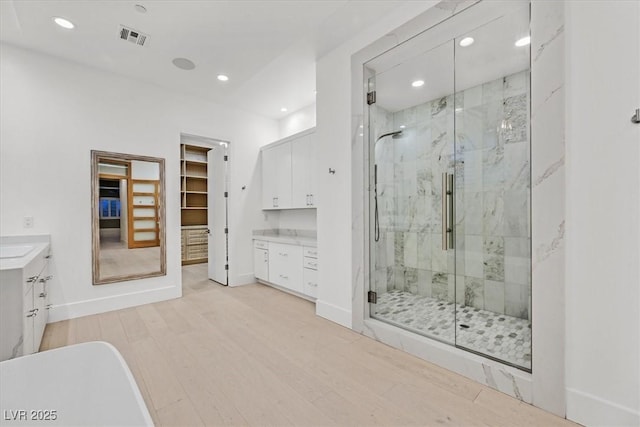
{"points": [[256, 356]]}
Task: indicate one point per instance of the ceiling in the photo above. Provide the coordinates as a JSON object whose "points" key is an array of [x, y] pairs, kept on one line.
{"points": [[445, 66], [267, 48]]}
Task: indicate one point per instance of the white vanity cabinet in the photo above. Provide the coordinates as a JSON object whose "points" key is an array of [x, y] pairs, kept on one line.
{"points": [[288, 172], [290, 266], [24, 303], [285, 266]]}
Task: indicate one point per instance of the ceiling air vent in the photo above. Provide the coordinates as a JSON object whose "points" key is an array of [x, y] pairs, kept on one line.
{"points": [[133, 36]]}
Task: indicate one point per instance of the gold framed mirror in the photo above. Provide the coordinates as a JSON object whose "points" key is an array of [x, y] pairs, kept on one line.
{"points": [[127, 217]]}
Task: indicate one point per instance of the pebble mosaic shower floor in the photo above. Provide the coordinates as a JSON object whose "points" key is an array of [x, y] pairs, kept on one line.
{"points": [[497, 335]]}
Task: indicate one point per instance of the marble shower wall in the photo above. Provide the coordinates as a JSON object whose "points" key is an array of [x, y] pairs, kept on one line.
{"points": [[492, 190]]}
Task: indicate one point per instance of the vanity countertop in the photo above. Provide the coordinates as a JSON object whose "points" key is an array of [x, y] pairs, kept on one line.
{"points": [[291, 237], [20, 245]]}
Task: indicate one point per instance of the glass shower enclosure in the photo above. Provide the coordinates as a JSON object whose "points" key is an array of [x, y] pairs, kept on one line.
{"points": [[450, 193]]}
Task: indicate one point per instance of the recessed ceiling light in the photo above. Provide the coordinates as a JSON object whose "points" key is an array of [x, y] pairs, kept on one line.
{"points": [[140, 8], [417, 83], [283, 109], [223, 78], [467, 41], [524, 41], [184, 64], [459, 109], [64, 23], [362, 134], [402, 126]]}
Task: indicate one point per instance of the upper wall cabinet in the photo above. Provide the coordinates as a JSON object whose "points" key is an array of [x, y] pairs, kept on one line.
{"points": [[288, 178]]}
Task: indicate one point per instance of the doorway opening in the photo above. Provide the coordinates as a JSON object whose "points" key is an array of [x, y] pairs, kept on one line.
{"points": [[204, 204]]}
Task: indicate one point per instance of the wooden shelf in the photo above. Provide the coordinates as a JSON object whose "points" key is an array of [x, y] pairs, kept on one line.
{"points": [[193, 190]]}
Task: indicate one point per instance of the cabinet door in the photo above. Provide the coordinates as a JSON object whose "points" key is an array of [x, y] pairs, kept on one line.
{"points": [[302, 165], [261, 263], [310, 285], [40, 302], [29, 314], [276, 177], [285, 266]]}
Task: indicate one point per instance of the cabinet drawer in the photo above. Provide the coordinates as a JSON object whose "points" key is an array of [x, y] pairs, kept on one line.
{"points": [[285, 265], [310, 252], [311, 263], [260, 244], [197, 251], [197, 237], [310, 285]]}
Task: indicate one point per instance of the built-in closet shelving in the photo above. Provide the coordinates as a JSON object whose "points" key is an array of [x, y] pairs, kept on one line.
{"points": [[193, 195]]}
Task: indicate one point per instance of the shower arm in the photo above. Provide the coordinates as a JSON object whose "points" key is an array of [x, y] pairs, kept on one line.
{"points": [[376, 221]]}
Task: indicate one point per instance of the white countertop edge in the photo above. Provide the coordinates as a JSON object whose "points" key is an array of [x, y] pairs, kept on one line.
{"points": [[292, 240], [21, 262]]}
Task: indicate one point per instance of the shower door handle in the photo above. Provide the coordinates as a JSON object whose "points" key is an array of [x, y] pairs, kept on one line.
{"points": [[447, 212]]}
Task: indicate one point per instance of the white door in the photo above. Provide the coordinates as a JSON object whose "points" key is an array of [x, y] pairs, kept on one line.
{"points": [[217, 213], [302, 168]]}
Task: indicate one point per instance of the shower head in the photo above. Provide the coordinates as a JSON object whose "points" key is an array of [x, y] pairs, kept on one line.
{"points": [[394, 134]]}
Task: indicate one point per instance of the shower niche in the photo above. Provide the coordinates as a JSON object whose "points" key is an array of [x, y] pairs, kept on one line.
{"points": [[450, 184]]}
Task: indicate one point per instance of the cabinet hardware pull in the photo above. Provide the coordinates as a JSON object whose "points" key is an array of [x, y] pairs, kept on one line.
{"points": [[43, 294], [33, 312], [636, 117], [284, 277], [32, 279], [48, 257]]}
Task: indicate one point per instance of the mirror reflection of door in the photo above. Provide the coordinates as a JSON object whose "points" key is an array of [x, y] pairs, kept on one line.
{"points": [[127, 230]]}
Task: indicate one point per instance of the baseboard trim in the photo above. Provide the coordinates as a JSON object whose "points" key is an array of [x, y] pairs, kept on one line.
{"points": [[334, 313], [115, 302], [590, 410], [243, 279]]}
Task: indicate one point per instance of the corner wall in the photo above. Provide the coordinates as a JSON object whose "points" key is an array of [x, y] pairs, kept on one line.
{"points": [[54, 112], [603, 213]]}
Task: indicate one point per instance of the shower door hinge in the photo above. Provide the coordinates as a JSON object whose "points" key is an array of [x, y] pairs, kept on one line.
{"points": [[226, 194], [226, 230], [372, 297], [371, 98], [226, 158]]}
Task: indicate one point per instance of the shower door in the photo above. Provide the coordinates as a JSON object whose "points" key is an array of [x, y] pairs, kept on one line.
{"points": [[448, 121]]}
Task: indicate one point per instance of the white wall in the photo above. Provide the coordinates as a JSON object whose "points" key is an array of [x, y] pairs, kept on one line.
{"points": [[603, 214], [303, 119], [54, 112], [334, 129]]}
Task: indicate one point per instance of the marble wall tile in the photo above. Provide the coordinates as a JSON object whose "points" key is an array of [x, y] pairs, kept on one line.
{"points": [[516, 300], [411, 250], [515, 127], [439, 259], [460, 289], [440, 285], [411, 280], [516, 213], [474, 256], [424, 282], [493, 250], [517, 260], [473, 213], [493, 213], [474, 292], [424, 250], [494, 296], [451, 288], [473, 170], [517, 166], [472, 97], [516, 84]]}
